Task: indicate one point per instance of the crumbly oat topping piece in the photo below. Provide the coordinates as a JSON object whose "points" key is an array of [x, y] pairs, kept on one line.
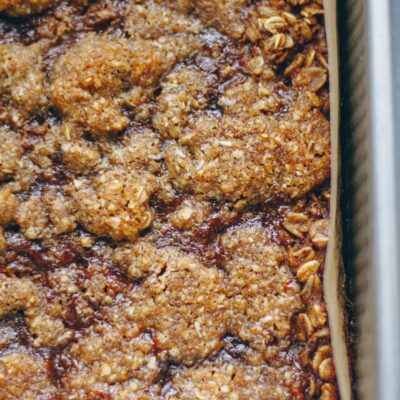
{"points": [[153, 19], [185, 305], [80, 156], [15, 294], [49, 214], [25, 376], [114, 203], [136, 150], [263, 292], [10, 152], [20, 8], [106, 359], [164, 195], [98, 76], [23, 87], [42, 318], [143, 258], [223, 15], [190, 213], [8, 206], [233, 381], [246, 155], [184, 91]]}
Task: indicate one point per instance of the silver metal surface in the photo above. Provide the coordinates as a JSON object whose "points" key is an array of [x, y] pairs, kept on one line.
{"points": [[373, 84], [385, 198]]}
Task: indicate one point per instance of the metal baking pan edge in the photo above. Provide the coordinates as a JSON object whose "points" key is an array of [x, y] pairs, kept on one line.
{"points": [[370, 136]]}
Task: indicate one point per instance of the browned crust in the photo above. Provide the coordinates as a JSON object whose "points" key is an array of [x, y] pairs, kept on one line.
{"points": [[165, 201]]}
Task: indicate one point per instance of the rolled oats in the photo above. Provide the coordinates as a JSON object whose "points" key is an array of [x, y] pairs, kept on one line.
{"points": [[164, 200], [307, 269]]}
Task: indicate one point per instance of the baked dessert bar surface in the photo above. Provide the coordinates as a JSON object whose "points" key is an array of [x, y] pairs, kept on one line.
{"points": [[164, 200]]}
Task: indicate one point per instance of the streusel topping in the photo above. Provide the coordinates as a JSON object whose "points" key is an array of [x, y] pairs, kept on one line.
{"points": [[164, 200]]}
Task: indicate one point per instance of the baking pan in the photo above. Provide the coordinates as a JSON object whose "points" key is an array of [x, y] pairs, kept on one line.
{"points": [[334, 282], [370, 190]]}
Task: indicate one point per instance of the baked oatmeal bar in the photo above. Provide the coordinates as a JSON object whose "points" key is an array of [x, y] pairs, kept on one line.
{"points": [[164, 200]]}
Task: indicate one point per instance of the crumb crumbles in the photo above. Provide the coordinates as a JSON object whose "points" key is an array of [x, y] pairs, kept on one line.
{"points": [[164, 200]]}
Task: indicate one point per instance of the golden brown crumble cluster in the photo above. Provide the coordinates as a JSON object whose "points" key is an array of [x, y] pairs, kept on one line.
{"points": [[164, 200], [17, 8]]}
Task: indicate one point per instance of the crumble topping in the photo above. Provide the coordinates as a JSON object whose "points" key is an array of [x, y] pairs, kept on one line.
{"points": [[264, 294], [249, 156], [8, 206], [188, 323], [108, 359], [10, 152], [98, 76], [153, 19], [20, 8], [235, 380], [23, 86], [164, 200], [42, 317], [24, 375], [45, 215], [114, 203]]}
